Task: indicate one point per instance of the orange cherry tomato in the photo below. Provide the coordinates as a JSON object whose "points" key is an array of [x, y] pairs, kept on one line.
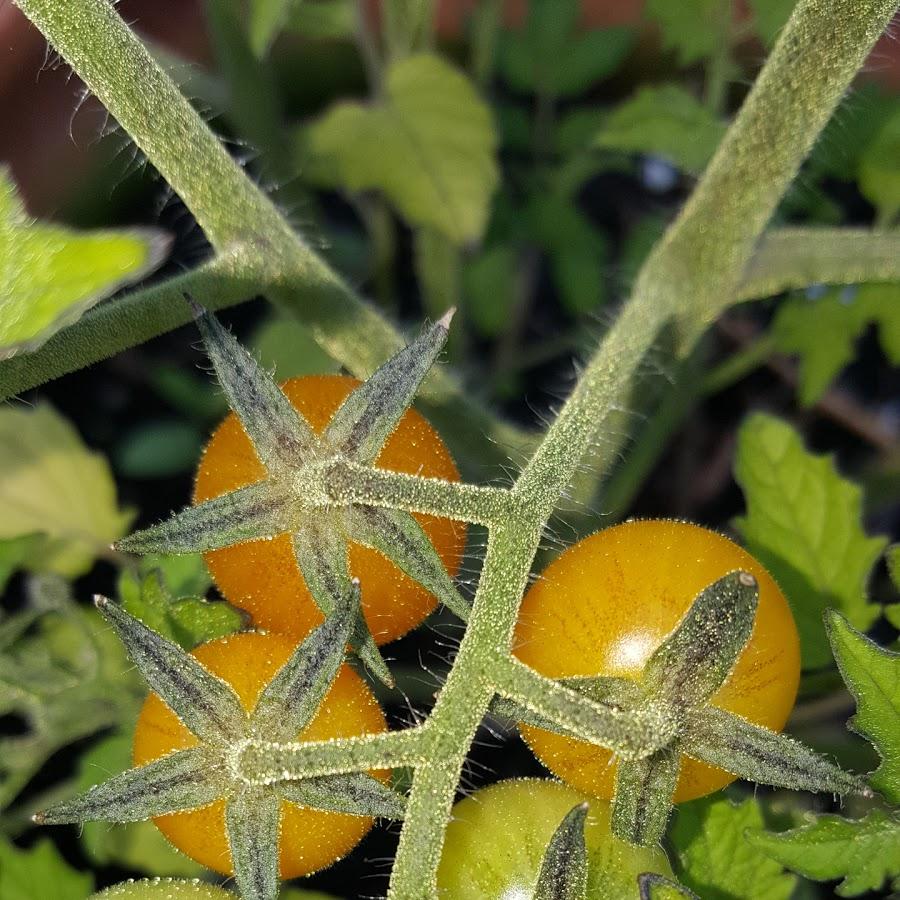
{"points": [[310, 839], [262, 576], [610, 600]]}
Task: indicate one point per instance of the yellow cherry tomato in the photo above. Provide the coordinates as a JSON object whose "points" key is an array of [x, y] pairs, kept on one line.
{"points": [[610, 600], [310, 839], [262, 576]]}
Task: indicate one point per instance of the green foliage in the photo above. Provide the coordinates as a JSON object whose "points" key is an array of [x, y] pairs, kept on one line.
{"points": [[770, 16], [823, 331], [879, 170], [490, 281], [266, 18], [284, 346], [177, 609], [873, 676], [715, 856], [665, 121], [40, 872], [136, 845], [549, 56], [428, 145], [863, 852], [803, 523], [64, 672], [51, 484], [681, 30], [49, 276], [158, 449]]}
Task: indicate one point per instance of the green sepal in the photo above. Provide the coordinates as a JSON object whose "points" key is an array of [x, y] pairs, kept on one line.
{"points": [[366, 419], [356, 793], [398, 536], [187, 779], [643, 796], [657, 887], [281, 436], [722, 739], [252, 822], [697, 658], [203, 702], [563, 872], [256, 511], [291, 698], [321, 554]]}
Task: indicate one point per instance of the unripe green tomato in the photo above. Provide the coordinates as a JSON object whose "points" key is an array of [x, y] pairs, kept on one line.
{"points": [[497, 839], [164, 889]]}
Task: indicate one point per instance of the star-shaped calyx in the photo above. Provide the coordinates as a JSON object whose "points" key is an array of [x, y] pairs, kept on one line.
{"points": [[208, 707], [679, 682], [300, 494]]}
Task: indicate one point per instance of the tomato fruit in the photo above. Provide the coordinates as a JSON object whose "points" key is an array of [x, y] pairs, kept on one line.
{"points": [[163, 889], [497, 839], [605, 604], [310, 839], [262, 576]]}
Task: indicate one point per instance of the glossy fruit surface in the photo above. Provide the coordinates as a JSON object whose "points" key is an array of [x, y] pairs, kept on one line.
{"points": [[310, 839], [262, 576], [605, 604], [163, 889], [497, 838]]}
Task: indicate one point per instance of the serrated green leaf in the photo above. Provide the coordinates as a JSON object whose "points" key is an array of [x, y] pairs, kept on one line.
{"points": [[823, 331], [863, 852], [52, 484], [873, 676], [41, 872], [685, 27], [429, 146], [49, 275], [803, 523], [770, 16], [664, 121], [716, 858], [879, 169], [137, 845]]}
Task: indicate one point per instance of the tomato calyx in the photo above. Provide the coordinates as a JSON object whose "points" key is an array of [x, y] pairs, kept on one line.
{"points": [[211, 770], [563, 872], [678, 683], [297, 496]]}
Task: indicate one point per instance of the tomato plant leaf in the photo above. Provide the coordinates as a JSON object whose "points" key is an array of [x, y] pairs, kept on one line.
{"points": [[489, 282], [879, 169], [564, 867], [863, 852], [769, 17], [40, 871], [429, 146], [682, 30], [266, 19], [136, 845], [184, 620], [551, 56], [664, 121], [356, 794], [252, 819], [716, 859], [803, 523], [49, 275], [203, 702], [823, 331], [52, 484], [64, 672], [185, 779], [872, 674]]}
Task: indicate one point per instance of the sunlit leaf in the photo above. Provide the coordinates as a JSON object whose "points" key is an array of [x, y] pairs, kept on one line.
{"points": [[40, 871], [50, 275]]}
